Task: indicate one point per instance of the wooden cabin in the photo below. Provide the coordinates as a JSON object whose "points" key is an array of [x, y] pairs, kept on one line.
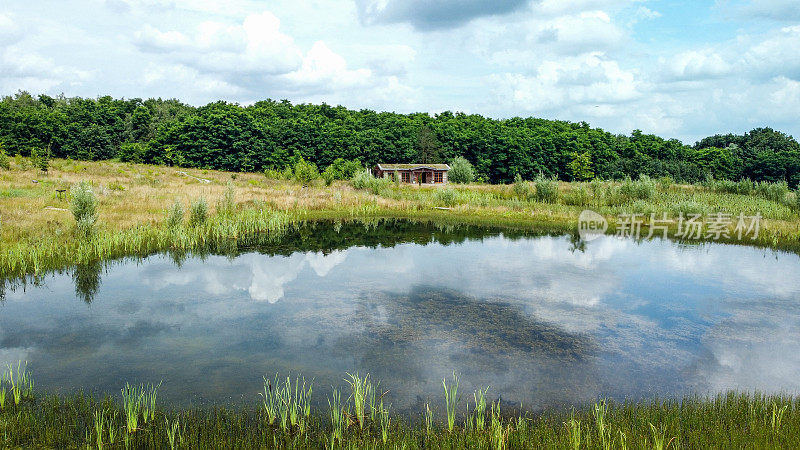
{"points": [[414, 173]]}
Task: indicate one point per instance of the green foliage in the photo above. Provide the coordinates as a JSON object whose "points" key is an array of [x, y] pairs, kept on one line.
{"points": [[175, 216], [342, 169], [226, 205], [521, 188], [198, 212], [305, 172], [461, 171], [581, 166], [775, 191], [642, 189], [84, 207], [365, 180], [270, 134], [546, 189], [4, 162], [40, 158], [446, 197], [132, 152]]}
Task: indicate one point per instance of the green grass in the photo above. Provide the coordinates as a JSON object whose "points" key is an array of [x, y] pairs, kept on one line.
{"points": [[731, 420]]}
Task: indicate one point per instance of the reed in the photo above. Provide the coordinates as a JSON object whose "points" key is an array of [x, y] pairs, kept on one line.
{"points": [[451, 401], [361, 391]]}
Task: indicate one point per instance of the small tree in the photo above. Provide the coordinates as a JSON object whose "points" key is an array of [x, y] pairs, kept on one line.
{"points": [[305, 172], [461, 171], [84, 207], [40, 158]]}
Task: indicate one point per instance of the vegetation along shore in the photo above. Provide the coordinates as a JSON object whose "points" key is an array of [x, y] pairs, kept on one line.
{"points": [[286, 415]]}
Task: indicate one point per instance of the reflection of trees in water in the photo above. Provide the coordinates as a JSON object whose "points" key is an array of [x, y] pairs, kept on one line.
{"points": [[87, 279], [417, 338]]}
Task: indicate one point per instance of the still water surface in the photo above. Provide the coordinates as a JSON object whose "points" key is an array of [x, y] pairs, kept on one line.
{"points": [[541, 319]]}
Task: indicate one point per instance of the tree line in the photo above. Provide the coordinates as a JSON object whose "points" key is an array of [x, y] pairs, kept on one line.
{"points": [[272, 135]]}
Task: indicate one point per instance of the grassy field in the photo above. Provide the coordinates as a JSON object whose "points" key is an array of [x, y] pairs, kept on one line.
{"points": [[38, 231], [357, 418]]}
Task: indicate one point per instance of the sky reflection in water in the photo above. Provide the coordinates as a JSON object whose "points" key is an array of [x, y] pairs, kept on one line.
{"points": [[536, 320]]}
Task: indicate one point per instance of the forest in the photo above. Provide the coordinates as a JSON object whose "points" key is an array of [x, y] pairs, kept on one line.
{"points": [[271, 135]]}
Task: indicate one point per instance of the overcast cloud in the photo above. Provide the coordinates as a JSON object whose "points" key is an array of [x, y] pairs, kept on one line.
{"points": [[678, 69]]}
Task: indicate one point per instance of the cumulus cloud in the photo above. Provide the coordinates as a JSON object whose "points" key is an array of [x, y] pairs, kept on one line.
{"points": [[589, 78], [428, 15]]}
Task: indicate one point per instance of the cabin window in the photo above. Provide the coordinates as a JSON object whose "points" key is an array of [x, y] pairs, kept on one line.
{"points": [[437, 177], [406, 177]]}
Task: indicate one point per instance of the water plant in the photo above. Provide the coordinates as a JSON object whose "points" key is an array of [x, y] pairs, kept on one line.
{"points": [[99, 428], [451, 401], [479, 413], [574, 432], [361, 390], [20, 383], [174, 435], [288, 402], [338, 415]]}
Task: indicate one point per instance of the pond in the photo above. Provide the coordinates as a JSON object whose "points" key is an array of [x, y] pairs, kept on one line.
{"points": [[542, 320]]}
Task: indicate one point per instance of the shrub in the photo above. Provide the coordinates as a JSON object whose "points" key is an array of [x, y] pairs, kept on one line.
{"points": [[461, 171], [328, 175], [198, 212], [365, 180], [797, 197], [665, 182], [521, 188], [642, 189], [40, 158], [116, 186], [772, 191], [578, 196], [305, 172], [131, 152], [4, 162], [342, 169], [446, 197], [546, 189], [84, 207], [175, 215]]}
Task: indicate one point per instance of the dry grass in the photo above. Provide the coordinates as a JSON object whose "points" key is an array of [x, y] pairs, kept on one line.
{"points": [[133, 199]]}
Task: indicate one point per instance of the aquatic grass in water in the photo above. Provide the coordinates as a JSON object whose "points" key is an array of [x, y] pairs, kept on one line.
{"points": [[451, 401], [19, 382], [361, 391], [287, 402]]}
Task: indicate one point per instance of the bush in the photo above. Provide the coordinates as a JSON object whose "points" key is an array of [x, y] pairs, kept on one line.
{"points": [[665, 182], [521, 189], [305, 172], [461, 171], [328, 176], [365, 180], [131, 152], [40, 158], [797, 197], [578, 196], [446, 197], [175, 215], [198, 212], [546, 189], [342, 169], [84, 207], [4, 162], [642, 189], [772, 191]]}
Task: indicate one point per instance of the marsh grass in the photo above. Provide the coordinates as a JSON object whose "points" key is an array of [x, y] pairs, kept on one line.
{"points": [[287, 402], [451, 399]]}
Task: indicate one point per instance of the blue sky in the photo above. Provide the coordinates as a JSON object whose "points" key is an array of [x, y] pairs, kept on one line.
{"points": [[677, 68]]}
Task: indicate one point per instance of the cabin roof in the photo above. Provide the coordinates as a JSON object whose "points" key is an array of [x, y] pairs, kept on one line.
{"points": [[413, 166]]}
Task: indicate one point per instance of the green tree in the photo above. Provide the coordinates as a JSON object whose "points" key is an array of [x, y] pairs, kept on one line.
{"points": [[427, 146], [305, 172], [461, 171], [4, 161], [581, 166]]}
